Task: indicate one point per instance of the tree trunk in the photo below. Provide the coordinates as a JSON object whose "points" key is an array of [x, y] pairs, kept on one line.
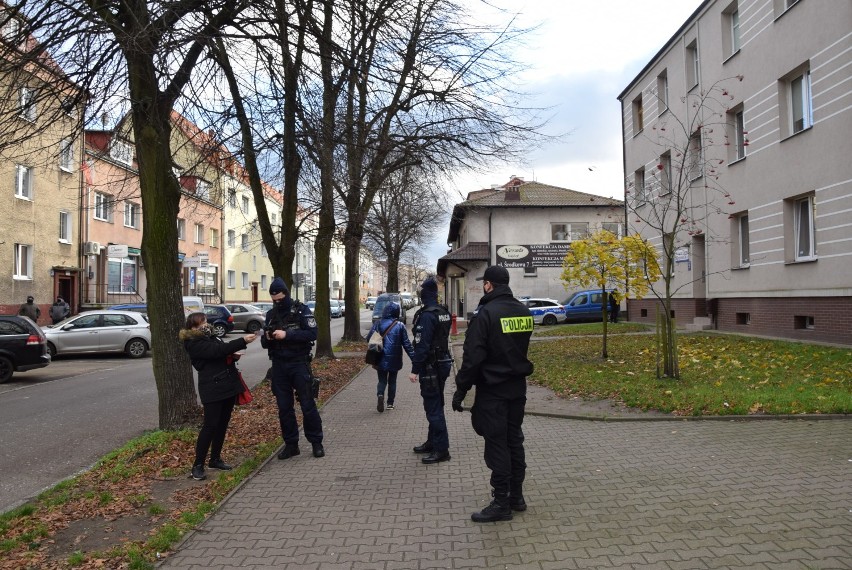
{"points": [[352, 280], [393, 273], [161, 200]]}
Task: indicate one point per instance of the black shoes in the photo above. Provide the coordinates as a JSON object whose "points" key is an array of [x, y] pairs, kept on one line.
{"points": [[498, 510], [424, 448], [219, 464], [517, 503], [436, 457], [289, 451], [380, 405], [198, 473], [319, 451]]}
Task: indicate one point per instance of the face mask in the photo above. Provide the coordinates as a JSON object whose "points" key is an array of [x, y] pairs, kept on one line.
{"points": [[284, 303], [207, 329]]}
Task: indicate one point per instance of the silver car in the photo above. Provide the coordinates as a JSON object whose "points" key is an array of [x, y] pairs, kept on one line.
{"points": [[100, 331], [247, 317]]}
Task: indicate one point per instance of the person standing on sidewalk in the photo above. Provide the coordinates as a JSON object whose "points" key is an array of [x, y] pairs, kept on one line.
{"points": [[290, 332], [218, 386], [59, 310], [394, 339], [495, 361], [30, 309], [430, 365]]}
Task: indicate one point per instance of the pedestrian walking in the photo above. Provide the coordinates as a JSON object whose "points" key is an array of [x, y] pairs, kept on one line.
{"points": [[59, 310], [218, 386], [30, 309], [614, 306], [290, 332], [430, 366], [394, 340], [495, 361]]}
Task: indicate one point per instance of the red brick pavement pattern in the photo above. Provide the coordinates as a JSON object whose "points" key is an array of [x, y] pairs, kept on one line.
{"points": [[668, 495]]}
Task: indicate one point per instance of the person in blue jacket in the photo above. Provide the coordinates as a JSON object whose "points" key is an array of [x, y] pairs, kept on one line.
{"points": [[430, 366], [290, 332], [394, 340]]}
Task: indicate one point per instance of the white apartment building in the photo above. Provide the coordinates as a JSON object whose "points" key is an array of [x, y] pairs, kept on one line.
{"points": [[750, 105]]}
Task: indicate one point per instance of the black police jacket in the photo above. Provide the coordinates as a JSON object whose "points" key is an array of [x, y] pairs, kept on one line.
{"points": [[496, 342], [301, 330], [431, 328]]}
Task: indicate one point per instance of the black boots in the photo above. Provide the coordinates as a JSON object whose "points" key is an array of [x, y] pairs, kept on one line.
{"points": [[289, 451], [498, 510], [319, 450], [436, 457], [423, 448], [516, 498], [219, 464]]}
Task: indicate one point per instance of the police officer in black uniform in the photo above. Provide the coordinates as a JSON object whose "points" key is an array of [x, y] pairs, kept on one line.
{"points": [[431, 365], [290, 332], [495, 360]]}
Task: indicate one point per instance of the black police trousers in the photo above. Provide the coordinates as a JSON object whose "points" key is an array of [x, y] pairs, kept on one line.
{"points": [[498, 420]]}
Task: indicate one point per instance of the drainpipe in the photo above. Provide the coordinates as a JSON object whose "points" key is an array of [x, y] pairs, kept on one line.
{"points": [[490, 213]]}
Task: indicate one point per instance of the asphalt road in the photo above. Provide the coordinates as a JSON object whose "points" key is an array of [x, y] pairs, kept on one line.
{"points": [[58, 420]]}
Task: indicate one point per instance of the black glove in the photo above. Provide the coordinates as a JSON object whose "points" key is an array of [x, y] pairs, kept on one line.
{"points": [[458, 398]]}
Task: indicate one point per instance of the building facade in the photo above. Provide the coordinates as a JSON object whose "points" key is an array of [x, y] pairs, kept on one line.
{"points": [[526, 227], [744, 117]]}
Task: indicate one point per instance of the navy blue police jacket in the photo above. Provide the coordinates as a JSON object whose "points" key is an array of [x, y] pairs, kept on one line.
{"points": [[431, 325], [301, 327]]}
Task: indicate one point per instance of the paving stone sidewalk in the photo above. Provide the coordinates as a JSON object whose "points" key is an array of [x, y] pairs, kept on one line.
{"points": [[773, 494]]}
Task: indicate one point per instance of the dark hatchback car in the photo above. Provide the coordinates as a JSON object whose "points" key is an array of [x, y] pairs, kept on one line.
{"points": [[382, 301], [22, 346], [220, 317]]}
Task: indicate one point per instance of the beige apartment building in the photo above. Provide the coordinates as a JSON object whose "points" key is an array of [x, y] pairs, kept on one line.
{"points": [[749, 103]]}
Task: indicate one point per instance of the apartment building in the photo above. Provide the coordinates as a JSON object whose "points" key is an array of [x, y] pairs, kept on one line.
{"points": [[526, 227], [748, 110]]}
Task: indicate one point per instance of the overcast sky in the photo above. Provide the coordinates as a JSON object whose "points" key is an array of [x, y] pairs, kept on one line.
{"points": [[580, 58]]}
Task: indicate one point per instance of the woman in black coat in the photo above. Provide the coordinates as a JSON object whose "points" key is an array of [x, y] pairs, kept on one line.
{"points": [[218, 386]]}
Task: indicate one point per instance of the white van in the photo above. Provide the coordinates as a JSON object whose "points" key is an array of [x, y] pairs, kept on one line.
{"points": [[193, 305]]}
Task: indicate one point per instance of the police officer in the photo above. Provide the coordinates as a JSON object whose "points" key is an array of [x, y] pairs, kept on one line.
{"points": [[430, 365], [290, 333], [495, 360]]}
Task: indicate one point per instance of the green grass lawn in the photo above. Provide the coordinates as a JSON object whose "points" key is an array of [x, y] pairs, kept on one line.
{"points": [[720, 374], [578, 329]]}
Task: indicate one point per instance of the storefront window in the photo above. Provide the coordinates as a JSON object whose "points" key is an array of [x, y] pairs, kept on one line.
{"points": [[122, 275]]}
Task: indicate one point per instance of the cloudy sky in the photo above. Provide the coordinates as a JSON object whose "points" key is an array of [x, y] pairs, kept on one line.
{"points": [[583, 55]]}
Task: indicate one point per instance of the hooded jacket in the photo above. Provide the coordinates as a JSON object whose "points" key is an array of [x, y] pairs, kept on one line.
{"points": [[394, 341], [496, 344], [218, 377]]}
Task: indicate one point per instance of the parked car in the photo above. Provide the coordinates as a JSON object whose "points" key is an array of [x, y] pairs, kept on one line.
{"points": [[545, 311], [135, 307], [220, 317], [105, 330], [22, 346], [370, 303], [383, 300], [263, 306], [407, 300], [247, 317], [584, 306], [334, 308], [342, 303]]}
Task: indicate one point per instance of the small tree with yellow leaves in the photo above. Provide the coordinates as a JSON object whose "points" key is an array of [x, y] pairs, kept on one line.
{"points": [[606, 261]]}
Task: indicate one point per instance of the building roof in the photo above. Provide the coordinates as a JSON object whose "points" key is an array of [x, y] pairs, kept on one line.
{"points": [[520, 194], [473, 251]]}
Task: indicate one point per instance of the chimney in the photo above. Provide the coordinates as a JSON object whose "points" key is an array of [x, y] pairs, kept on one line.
{"points": [[512, 194]]}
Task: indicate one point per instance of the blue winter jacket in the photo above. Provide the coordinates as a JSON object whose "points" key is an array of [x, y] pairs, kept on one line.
{"points": [[395, 340]]}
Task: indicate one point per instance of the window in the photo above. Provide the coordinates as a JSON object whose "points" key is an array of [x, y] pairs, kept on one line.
{"points": [[263, 252], [568, 232], [202, 190], [245, 280], [27, 103], [736, 124], [232, 279], [245, 205], [214, 237], [66, 154], [23, 182], [639, 185], [665, 168], [612, 227], [232, 198], [694, 164], [121, 152], [131, 215], [743, 318], [530, 271], [692, 65], [65, 227], [254, 263], [263, 282], [801, 111], [181, 227], [731, 29], [638, 116], [663, 92], [121, 274], [232, 239], [11, 29], [199, 233], [804, 322], [23, 261], [244, 242], [743, 239], [804, 228], [103, 207]]}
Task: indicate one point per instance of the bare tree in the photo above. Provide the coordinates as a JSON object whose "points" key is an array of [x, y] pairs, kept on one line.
{"points": [[673, 202]]}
